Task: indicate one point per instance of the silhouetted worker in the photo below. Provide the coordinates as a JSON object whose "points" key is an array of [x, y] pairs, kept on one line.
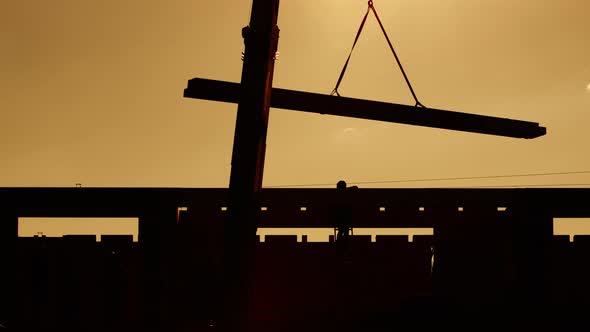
{"points": [[342, 215]]}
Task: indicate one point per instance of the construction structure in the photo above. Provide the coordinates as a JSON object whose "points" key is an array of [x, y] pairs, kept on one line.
{"points": [[255, 96], [496, 261], [492, 258]]}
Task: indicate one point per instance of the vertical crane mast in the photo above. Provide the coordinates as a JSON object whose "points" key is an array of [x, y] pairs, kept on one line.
{"points": [[261, 40]]}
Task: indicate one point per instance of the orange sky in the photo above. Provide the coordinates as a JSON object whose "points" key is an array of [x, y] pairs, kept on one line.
{"points": [[91, 92]]}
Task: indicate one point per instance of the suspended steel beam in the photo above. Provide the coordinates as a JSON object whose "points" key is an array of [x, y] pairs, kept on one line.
{"points": [[229, 92]]}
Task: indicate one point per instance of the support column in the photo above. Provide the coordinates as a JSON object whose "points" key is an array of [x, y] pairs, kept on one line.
{"points": [[261, 39], [156, 224], [8, 254], [533, 233]]}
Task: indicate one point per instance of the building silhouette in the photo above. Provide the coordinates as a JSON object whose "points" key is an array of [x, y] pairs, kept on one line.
{"points": [[497, 262]]}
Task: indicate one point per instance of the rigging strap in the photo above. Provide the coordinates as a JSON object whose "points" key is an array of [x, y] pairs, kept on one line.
{"points": [[335, 91], [372, 8]]}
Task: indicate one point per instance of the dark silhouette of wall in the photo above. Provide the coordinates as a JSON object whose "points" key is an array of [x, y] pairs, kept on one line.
{"points": [[501, 268]]}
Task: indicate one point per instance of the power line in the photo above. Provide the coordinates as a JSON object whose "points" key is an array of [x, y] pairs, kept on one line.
{"points": [[526, 185], [440, 179]]}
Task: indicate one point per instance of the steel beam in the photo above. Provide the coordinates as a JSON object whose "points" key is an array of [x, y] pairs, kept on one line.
{"points": [[200, 88]]}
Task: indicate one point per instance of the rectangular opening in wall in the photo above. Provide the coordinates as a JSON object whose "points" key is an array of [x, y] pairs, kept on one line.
{"points": [[571, 226], [58, 227], [323, 234]]}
